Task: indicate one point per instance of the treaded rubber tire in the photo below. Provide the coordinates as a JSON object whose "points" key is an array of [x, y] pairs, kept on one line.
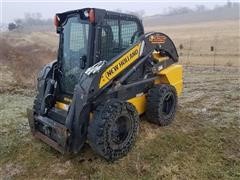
{"points": [[155, 104], [37, 104], [100, 128]]}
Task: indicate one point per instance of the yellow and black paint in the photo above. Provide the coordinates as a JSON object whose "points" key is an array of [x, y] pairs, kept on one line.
{"points": [[172, 75], [119, 65]]}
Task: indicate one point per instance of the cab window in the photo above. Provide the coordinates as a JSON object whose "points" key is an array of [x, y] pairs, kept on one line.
{"points": [[116, 36]]}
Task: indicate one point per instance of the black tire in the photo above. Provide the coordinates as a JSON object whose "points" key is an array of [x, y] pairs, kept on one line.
{"points": [[112, 131], [37, 104], [161, 104]]}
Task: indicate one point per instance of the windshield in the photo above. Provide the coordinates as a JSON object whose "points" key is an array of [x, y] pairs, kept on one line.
{"points": [[74, 52]]}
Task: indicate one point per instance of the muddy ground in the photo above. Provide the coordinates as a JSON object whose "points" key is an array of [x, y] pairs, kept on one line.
{"points": [[202, 143]]}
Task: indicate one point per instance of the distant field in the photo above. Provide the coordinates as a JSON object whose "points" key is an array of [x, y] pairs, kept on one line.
{"points": [[197, 39]]}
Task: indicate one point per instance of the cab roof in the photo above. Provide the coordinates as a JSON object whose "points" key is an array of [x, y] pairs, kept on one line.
{"points": [[99, 14]]}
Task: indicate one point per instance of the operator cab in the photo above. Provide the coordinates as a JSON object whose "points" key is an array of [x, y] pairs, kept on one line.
{"points": [[88, 36]]}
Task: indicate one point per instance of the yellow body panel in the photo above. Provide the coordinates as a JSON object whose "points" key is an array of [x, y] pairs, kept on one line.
{"points": [[171, 75], [61, 105], [157, 56], [139, 102], [119, 65]]}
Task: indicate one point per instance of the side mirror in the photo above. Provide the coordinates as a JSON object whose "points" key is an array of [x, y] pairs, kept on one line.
{"points": [[83, 61]]}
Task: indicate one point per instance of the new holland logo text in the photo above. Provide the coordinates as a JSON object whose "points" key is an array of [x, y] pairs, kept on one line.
{"points": [[119, 65], [115, 68]]}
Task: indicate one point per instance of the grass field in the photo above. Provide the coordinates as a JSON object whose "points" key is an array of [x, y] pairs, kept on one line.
{"points": [[198, 38], [202, 143]]}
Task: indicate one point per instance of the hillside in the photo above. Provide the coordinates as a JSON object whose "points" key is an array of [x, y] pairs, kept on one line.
{"points": [[217, 14]]}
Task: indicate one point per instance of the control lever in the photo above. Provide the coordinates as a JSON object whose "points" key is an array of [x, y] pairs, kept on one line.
{"points": [[83, 61]]}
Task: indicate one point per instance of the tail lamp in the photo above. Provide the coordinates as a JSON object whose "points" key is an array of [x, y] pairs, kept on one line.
{"points": [[90, 15], [56, 21]]}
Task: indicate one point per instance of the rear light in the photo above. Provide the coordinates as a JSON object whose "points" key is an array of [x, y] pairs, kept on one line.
{"points": [[56, 21], [91, 16]]}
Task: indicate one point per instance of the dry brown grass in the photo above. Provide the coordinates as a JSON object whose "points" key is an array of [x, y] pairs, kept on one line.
{"points": [[197, 39], [25, 54]]}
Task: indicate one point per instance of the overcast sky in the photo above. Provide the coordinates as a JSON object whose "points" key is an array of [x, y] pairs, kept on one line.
{"points": [[12, 9]]}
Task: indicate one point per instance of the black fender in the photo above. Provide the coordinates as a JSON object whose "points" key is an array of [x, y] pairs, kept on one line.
{"points": [[161, 42]]}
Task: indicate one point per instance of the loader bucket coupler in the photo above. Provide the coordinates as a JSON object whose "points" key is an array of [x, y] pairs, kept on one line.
{"points": [[49, 131]]}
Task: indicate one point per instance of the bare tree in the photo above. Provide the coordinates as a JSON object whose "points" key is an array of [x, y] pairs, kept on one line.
{"points": [[201, 8], [179, 10]]}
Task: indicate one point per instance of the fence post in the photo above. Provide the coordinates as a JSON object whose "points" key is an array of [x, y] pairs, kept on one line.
{"points": [[189, 49], [215, 52]]}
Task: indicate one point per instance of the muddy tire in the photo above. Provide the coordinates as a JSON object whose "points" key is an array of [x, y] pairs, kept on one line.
{"points": [[112, 131], [161, 104]]}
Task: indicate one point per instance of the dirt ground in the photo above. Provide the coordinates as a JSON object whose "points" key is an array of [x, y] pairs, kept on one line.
{"points": [[202, 143]]}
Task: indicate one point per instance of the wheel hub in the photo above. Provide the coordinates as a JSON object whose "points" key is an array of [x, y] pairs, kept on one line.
{"points": [[168, 103], [120, 130]]}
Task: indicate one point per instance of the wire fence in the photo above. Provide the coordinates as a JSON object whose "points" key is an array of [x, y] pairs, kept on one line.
{"points": [[214, 52]]}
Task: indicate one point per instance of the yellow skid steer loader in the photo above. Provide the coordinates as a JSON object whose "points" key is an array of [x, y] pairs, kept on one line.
{"points": [[107, 73]]}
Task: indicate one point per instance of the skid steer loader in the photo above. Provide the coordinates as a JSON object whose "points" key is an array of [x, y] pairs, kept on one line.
{"points": [[107, 74]]}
